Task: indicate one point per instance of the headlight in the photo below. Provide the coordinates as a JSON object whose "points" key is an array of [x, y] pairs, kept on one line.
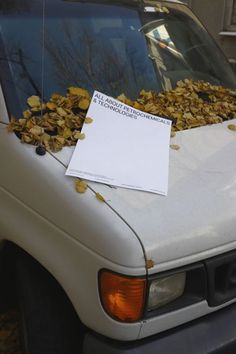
{"points": [[124, 297], [165, 290]]}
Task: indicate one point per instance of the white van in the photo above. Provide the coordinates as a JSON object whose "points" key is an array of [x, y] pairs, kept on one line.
{"points": [[139, 272]]}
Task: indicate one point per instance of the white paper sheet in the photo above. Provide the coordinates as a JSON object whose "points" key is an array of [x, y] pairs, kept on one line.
{"points": [[123, 147]]}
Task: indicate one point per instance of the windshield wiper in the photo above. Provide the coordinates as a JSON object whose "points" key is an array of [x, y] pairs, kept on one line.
{"points": [[135, 3]]}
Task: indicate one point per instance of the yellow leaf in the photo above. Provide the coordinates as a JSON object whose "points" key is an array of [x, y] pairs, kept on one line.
{"points": [[45, 137], [122, 98], [26, 139], [36, 130], [61, 122], [56, 97], [61, 112], [22, 121], [232, 127], [174, 147], [100, 197], [88, 120], [67, 133], [80, 186], [36, 109], [78, 91], [79, 135], [137, 105], [150, 263], [33, 101], [51, 106], [84, 103], [27, 114], [60, 140]]}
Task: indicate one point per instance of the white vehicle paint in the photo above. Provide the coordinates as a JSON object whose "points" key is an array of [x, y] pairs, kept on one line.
{"points": [[75, 236]]}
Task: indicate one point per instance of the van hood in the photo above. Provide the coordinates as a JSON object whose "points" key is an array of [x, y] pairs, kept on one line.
{"points": [[198, 217]]}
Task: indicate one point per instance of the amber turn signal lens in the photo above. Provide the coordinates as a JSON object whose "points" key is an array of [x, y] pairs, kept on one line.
{"points": [[122, 297]]}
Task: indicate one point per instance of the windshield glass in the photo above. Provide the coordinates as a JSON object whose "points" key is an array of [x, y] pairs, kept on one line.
{"points": [[48, 46]]}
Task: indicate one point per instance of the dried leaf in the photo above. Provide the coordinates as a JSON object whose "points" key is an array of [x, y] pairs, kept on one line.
{"points": [[34, 101], [88, 120], [232, 127], [81, 186], [27, 114], [78, 91], [36, 130], [84, 103], [79, 135], [22, 121], [190, 104], [52, 106], [67, 133], [61, 112], [26, 139], [150, 263], [100, 197], [60, 140], [174, 147]]}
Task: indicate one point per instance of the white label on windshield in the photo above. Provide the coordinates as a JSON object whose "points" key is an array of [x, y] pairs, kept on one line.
{"points": [[123, 147], [149, 9]]}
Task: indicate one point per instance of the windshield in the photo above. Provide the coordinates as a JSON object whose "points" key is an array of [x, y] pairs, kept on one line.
{"points": [[48, 46]]}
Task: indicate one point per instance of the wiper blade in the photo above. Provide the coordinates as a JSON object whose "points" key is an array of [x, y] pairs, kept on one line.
{"points": [[136, 3]]}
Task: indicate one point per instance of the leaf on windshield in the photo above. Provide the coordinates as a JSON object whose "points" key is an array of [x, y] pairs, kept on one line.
{"points": [[78, 91], [84, 103], [52, 106], [34, 101], [189, 105], [58, 122], [27, 114]]}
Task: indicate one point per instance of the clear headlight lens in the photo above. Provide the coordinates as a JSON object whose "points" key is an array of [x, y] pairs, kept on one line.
{"points": [[165, 290]]}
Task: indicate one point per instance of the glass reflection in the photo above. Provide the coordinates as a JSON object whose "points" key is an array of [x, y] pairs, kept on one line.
{"points": [[112, 48]]}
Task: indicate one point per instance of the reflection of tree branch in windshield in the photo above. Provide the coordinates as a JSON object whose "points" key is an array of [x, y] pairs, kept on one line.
{"points": [[84, 60], [21, 62]]}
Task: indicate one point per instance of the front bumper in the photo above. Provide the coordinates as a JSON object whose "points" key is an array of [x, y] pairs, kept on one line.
{"points": [[211, 334]]}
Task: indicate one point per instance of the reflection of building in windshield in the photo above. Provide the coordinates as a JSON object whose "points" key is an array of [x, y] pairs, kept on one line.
{"points": [[163, 51], [162, 34]]}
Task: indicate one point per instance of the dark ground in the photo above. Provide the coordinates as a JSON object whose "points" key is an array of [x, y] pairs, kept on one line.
{"points": [[9, 336], [9, 314]]}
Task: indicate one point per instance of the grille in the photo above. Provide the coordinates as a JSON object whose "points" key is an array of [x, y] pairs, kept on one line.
{"points": [[221, 276]]}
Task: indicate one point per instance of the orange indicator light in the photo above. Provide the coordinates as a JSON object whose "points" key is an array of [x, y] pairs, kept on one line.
{"points": [[122, 297]]}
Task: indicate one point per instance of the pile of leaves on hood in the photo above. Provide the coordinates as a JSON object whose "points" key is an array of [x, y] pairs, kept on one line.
{"points": [[191, 104], [58, 122]]}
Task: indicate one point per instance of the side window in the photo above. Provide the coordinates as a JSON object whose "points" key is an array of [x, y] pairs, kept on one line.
{"points": [[230, 15]]}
